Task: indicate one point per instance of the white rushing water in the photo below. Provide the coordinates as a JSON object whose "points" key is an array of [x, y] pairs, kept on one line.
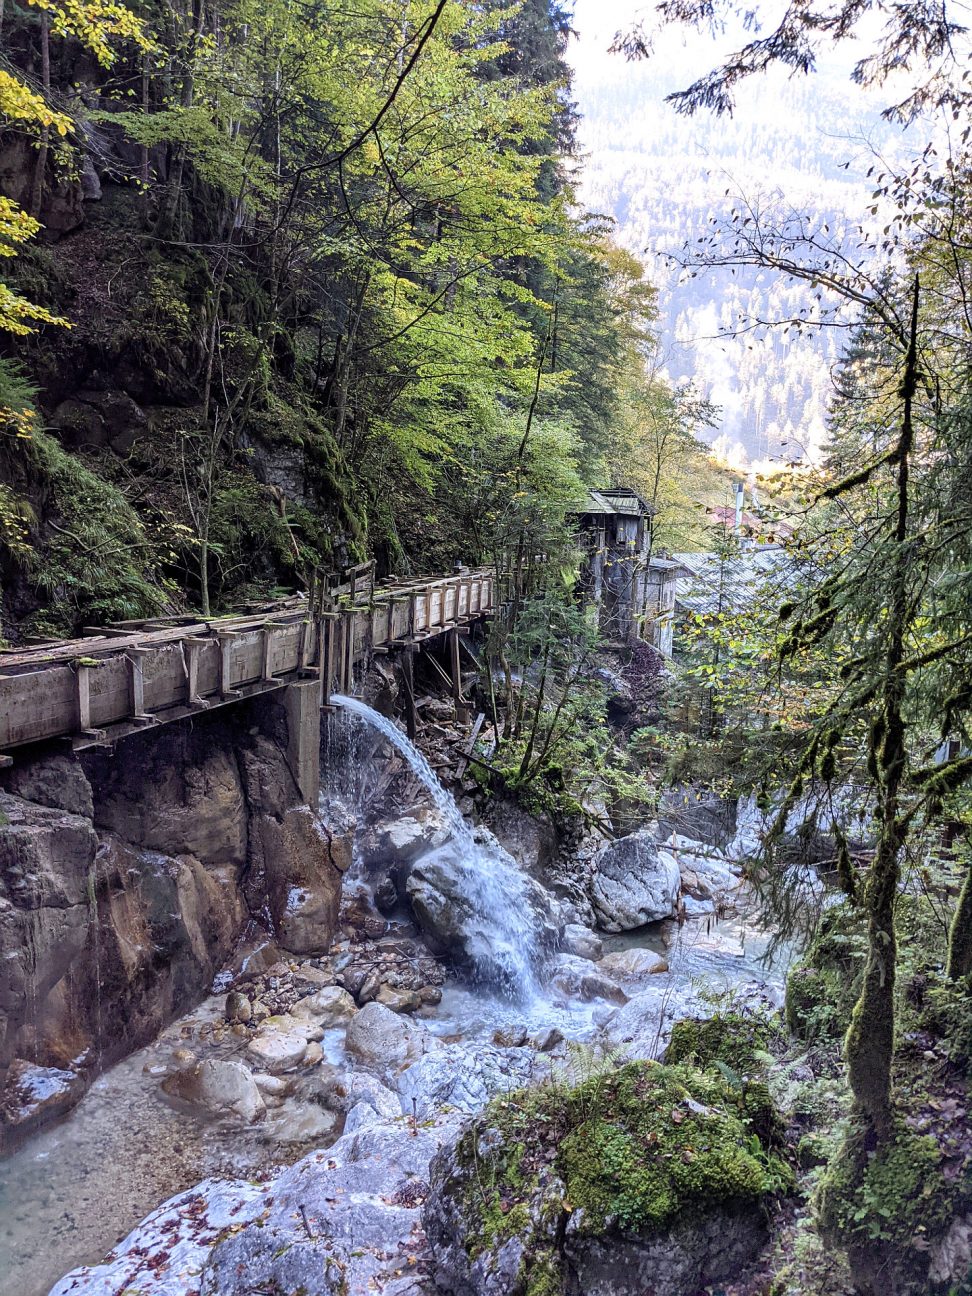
{"points": [[492, 899]]}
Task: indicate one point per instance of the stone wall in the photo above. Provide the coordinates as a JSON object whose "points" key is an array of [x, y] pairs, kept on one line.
{"points": [[127, 877]]}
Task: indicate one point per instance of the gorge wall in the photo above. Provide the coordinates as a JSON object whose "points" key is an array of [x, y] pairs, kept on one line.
{"points": [[128, 876]]}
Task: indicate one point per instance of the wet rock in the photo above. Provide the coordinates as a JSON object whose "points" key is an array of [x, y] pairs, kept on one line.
{"points": [[640, 1028], [362, 1199], [172, 1241], [399, 1001], [445, 892], [277, 1050], [237, 1007], [299, 1121], [632, 964], [454, 1076], [300, 863], [272, 1086], [32, 1095], [430, 995], [219, 1087], [532, 839], [369, 988], [582, 942], [578, 978], [329, 1007], [314, 1055], [546, 1041], [382, 1039], [401, 841], [258, 1010], [510, 1036], [633, 883], [386, 896]]}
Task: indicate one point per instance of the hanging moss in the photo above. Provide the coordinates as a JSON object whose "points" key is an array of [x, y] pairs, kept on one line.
{"points": [[822, 989]]}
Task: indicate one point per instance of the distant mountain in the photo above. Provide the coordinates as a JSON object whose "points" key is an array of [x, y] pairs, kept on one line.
{"points": [[664, 177]]}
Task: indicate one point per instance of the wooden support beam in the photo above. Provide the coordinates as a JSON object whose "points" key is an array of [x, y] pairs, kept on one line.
{"points": [[408, 680], [227, 638], [136, 686], [266, 654], [192, 648]]}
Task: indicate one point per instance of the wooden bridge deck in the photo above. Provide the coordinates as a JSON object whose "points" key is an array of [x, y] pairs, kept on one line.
{"points": [[125, 677]]}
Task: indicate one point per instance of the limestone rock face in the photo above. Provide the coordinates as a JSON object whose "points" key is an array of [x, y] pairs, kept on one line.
{"points": [[303, 884], [218, 1087], [633, 883], [126, 878]]}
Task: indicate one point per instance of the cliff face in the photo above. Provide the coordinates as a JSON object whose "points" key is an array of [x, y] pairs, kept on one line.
{"points": [[127, 878]]}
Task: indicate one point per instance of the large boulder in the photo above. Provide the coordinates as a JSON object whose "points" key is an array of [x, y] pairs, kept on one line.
{"points": [[633, 883], [578, 978], [393, 844], [219, 1087], [474, 904], [302, 866], [632, 966], [643, 1179], [457, 1077], [383, 1040], [331, 1006], [580, 940]]}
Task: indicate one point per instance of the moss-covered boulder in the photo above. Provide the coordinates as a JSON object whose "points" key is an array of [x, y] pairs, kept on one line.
{"points": [[645, 1177]]}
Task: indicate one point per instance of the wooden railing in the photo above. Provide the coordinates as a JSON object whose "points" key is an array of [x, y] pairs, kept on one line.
{"points": [[121, 678]]}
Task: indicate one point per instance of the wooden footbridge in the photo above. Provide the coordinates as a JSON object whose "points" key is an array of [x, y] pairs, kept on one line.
{"points": [[122, 678]]}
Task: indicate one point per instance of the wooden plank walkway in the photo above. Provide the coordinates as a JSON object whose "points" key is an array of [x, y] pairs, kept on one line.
{"points": [[120, 679]]}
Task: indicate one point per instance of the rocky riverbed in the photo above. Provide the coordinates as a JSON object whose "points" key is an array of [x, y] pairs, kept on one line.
{"points": [[296, 1112], [289, 1063]]}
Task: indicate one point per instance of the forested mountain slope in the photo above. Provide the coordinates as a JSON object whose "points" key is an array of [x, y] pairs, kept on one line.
{"points": [[286, 287], [792, 145]]}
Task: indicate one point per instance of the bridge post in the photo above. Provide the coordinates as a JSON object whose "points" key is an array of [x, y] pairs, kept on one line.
{"points": [[302, 705]]}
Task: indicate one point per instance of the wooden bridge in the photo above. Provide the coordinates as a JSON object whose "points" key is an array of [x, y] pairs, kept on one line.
{"points": [[124, 677]]}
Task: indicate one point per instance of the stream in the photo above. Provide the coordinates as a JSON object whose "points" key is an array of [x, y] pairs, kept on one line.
{"points": [[78, 1187]]}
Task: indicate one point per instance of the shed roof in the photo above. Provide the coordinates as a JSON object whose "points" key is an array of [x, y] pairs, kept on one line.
{"points": [[616, 501]]}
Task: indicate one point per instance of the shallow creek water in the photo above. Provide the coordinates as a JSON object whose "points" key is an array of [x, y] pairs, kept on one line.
{"points": [[78, 1187]]}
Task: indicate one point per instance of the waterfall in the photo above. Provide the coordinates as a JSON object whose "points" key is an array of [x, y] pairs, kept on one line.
{"points": [[500, 912]]}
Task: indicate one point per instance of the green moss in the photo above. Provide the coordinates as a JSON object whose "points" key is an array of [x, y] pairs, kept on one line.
{"points": [[739, 1043], [628, 1150], [545, 1276], [896, 1192], [97, 563]]}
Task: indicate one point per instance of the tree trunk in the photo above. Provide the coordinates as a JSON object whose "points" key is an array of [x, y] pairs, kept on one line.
{"points": [[40, 166], [869, 1045], [960, 934]]}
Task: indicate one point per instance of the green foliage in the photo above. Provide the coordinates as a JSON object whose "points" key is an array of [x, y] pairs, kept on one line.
{"points": [[897, 1193], [97, 563], [822, 988]]}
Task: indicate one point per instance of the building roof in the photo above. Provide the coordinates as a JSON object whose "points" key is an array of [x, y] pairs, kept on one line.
{"points": [[614, 501], [713, 582]]}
